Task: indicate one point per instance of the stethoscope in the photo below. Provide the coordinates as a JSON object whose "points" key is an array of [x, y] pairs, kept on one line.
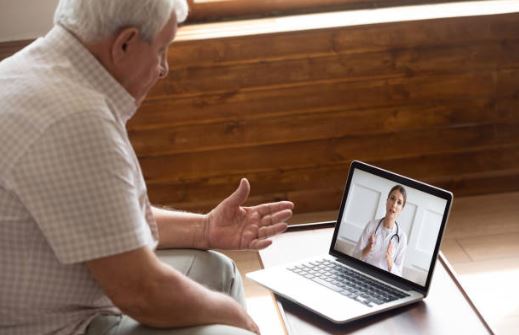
{"points": [[395, 235]]}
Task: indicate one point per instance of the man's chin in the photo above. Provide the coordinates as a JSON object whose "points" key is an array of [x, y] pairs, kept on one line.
{"points": [[139, 100], [141, 97]]}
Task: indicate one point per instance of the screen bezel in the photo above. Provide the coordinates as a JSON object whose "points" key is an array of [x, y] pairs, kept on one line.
{"points": [[405, 181]]}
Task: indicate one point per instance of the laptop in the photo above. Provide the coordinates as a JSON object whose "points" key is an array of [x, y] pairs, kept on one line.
{"points": [[382, 254]]}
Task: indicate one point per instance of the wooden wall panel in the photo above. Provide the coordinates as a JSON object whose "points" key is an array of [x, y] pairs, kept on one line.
{"points": [[435, 99], [350, 40], [466, 172], [329, 151], [315, 125], [350, 67], [316, 96]]}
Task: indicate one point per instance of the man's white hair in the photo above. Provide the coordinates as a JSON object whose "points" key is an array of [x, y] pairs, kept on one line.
{"points": [[92, 20]]}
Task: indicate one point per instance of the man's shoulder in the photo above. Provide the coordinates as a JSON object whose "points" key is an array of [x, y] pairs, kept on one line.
{"points": [[33, 105], [27, 79], [42, 93], [52, 78], [45, 92]]}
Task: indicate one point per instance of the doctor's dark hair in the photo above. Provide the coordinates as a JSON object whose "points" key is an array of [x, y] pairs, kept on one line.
{"points": [[400, 189]]}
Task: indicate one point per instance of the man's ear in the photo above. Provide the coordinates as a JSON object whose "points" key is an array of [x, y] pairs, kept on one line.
{"points": [[123, 43]]}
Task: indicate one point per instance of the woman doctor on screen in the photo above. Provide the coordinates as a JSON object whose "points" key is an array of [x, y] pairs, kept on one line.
{"points": [[383, 243]]}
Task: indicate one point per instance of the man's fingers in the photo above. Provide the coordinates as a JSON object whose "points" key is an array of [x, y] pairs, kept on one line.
{"points": [[277, 217], [259, 244], [268, 231], [273, 207]]}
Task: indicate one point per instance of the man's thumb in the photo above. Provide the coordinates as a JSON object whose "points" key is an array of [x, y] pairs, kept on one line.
{"points": [[240, 195]]}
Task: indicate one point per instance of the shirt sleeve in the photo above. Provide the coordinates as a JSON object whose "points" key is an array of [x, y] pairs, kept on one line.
{"points": [[78, 183]]}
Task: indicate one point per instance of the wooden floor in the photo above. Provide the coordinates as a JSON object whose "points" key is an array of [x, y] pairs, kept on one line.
{"points": [[481, 243]]}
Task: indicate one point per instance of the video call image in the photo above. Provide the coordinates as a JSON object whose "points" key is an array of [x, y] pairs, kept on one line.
{"points": [[390, 226]]}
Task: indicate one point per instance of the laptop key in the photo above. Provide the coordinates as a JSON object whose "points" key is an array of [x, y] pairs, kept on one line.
{"points": [[350, 295], [327, 284], [362, 300]]}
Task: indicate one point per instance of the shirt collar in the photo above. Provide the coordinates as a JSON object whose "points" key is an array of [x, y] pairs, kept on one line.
{"points": [[93, 72]]}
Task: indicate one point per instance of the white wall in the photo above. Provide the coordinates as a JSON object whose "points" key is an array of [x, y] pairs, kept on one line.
{"points": [[25, 19]]}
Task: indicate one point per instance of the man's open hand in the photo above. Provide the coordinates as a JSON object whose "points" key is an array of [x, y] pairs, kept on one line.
{"points": [[232, 226]]}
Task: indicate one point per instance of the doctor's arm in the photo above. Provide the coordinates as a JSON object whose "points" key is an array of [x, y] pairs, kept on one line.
{"points": [[365, 241], [398, 263]]}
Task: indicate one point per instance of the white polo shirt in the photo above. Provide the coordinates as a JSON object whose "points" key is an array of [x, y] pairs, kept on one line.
{"points": [[71, 189]]}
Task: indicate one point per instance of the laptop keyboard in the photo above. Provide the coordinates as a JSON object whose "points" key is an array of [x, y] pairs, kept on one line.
{"points": [[348, 282]]}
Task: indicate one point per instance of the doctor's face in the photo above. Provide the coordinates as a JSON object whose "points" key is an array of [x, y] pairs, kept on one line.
{"points": [[395, 204]]}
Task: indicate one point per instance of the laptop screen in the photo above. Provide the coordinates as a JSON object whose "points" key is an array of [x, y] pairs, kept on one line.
{"points": [[392, 222]]}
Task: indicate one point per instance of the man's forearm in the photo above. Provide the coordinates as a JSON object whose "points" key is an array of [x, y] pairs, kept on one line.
{"points": [[179, 229]]}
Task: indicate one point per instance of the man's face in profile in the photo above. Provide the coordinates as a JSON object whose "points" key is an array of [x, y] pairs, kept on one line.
{"points": [[148, 61]]}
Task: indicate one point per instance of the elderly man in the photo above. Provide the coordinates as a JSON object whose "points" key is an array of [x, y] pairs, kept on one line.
{"points": [[77, 232]]}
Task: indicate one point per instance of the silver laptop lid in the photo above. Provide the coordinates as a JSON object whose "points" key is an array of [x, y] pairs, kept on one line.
{"points": [[391, 224]]}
